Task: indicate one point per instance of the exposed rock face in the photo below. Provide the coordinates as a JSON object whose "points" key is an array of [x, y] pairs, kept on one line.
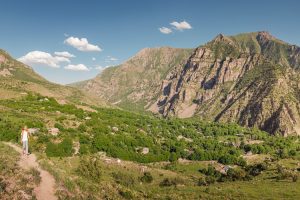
{"points": [[5, 73], [251, 79], [136, 83]]}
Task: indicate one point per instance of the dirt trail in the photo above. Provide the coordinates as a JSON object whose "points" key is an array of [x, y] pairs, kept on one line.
{"points": [[46, 189]]}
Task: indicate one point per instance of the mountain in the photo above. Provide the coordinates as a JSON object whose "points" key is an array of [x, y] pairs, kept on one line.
{"points": [[136, 83], [251, 79], [18, 79]]}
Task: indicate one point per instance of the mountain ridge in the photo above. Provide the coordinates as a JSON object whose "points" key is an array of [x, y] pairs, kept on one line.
{"points": [[134, 83], [256, 67], [18, 79], [230, 70]]}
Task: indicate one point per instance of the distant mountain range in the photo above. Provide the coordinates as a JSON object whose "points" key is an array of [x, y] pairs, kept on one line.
{"points": [[251, 79]]}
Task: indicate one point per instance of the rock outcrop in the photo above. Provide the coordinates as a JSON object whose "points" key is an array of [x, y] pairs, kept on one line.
{"points": [[251, 79], [135, 84]]}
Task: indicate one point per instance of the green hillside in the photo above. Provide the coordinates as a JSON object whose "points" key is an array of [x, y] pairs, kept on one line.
{"points": [[17, 79], [186, 157]]}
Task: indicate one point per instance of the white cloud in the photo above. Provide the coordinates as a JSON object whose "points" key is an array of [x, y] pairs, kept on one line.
{"points": [[43, 58], [165, 30], [79, 67], [93, 58], [81, 44], [181, 25], [111, 59], [64, 54], [66, 35]]}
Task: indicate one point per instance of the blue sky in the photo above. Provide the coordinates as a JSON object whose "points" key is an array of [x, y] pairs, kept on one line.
{"points": [[120, 28]]}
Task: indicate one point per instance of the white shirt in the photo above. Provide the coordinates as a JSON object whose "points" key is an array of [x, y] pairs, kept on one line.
{"points": [[24, 136]]}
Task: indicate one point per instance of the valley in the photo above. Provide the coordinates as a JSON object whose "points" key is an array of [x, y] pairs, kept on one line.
{"points": [[107, 153], [219, 121]]}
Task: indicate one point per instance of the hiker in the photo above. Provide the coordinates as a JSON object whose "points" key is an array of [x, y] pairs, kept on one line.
{"points": [[24, 139]]}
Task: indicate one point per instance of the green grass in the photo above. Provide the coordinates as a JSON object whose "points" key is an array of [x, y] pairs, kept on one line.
{"points": [[80, 176], [116, 177]]}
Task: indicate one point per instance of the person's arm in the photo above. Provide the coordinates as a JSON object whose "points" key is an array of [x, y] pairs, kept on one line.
{"points": [[21, 137]]}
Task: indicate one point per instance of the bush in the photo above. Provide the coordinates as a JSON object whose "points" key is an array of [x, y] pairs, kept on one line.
{"points": [[123, 179], [241, 162], [235, 174], [227, 159], [202, 182], [210, 179], [173, 157], [295, 178], [167, 182], [146, 178], [255, 170], [84, 149], [286, 174], [90, 168], [82, 128], [59, 126], [126, 194], [63, 149], [210, 171]]}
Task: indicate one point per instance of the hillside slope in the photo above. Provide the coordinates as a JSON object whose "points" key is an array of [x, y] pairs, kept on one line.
{"points": [[251, 79], [136, 83], [17, 79]]}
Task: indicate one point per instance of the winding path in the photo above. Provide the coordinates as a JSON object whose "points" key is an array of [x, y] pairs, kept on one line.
{"points": [[46, 189]]}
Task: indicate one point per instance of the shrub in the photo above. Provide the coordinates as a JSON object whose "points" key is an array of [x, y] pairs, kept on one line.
{"points": [[227, 159], [286, 174], [210, 179], [173, 157], [210, 171], [126, 194], [241, 162], [84, 149], [235, 174], [82, 128], [123, 179], [255, 170], [90, 168], [59, 126], [167, 182], [63, 149], [146, 178], [202, 182], [295, 177]]}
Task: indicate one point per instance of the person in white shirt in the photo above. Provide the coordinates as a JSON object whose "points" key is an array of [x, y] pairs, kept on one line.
{"points": [[24, 140]]}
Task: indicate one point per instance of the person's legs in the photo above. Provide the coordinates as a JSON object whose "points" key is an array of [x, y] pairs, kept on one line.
{"points": [[26, 147]]}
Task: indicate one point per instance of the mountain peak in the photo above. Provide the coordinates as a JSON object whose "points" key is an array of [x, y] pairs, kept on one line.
{"points": [[219, 37], [265, 35], [222, 38]]}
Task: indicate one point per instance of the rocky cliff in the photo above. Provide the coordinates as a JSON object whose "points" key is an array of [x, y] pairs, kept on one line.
{"points": [[251, 79], [135, 84]]}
